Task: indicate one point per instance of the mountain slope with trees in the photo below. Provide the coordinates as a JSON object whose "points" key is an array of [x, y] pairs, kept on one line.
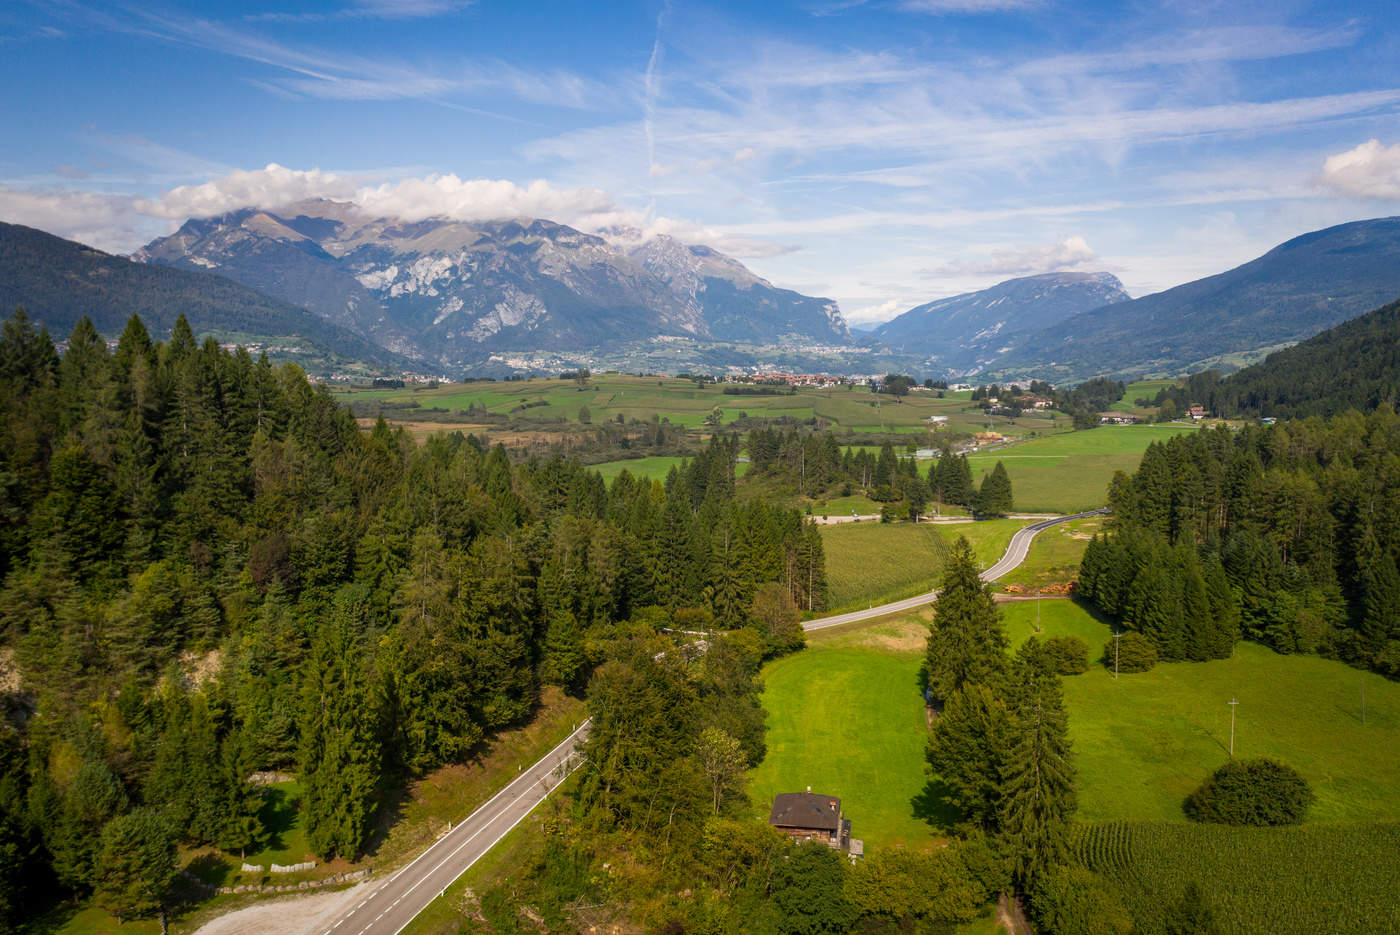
{"points": [[1355, 365], [60, 281], [1297, 289]]}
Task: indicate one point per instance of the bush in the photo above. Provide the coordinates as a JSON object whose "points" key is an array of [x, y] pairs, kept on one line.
{"points": [[1069, 654], [1251, 792], [1074, 901], [1135, 653]]}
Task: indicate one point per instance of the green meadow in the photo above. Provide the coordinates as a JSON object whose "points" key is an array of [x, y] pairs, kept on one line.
{"points": [[1144, 741], [846, 717], [1070, 473]]}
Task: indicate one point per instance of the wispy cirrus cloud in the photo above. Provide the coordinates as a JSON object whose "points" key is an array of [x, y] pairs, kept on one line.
{"points": [[1072, 253]]}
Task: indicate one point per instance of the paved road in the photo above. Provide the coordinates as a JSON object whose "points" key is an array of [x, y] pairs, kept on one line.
{"points": [[391, 905], [1015, 554]]}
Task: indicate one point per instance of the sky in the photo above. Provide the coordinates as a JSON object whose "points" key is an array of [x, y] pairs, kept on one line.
{"points": [[882, 153]]}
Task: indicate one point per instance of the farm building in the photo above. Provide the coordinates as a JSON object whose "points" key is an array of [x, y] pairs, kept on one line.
{"points": [[808, 817]]}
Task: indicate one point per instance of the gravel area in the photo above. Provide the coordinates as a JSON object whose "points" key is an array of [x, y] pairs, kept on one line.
{"points": [[292, 915]]}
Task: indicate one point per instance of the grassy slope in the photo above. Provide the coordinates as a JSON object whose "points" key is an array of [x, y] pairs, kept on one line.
{"points": [[1146, 740], [1069, 473], [870, 563], [845, 717], [1054, 555]]}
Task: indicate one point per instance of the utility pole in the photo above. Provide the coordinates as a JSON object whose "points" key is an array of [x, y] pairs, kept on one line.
{"points": [[1116, 634], [1037, 620], [1232, 703]]}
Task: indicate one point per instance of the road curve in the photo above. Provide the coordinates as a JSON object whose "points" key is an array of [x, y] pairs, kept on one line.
{"points": [[393, 904], [1016, 551]]}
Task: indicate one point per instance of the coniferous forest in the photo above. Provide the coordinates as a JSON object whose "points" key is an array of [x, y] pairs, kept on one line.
{"points": [[1285, 534], [210, 570]]}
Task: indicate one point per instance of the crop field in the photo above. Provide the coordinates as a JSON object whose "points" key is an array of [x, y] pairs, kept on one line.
{"points": [[1070, 473], [1144, 741], [846, 717], [851, 408], [988, 538], [1338, 879], [871, 563], [1054, 555]]}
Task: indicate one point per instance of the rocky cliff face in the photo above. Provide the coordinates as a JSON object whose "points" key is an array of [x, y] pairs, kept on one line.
{"points": [[453, 292]]}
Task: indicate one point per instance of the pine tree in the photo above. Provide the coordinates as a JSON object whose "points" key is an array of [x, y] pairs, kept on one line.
{"points": [[966, 642], [137, 865]]}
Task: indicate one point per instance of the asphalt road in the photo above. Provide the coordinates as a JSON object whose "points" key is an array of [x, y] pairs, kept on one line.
{"points": [[390, 906], [1015, 554]]}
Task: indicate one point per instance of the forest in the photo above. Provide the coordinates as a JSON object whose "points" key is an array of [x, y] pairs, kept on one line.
{"points": [[1355, 365], [1286, 534], [210, 570]]}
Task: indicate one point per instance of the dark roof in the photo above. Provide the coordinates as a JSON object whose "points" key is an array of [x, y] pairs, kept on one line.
{"points": [[806, 810]]}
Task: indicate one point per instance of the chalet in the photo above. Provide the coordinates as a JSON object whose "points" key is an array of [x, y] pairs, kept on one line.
{"points": [[1117, 418], [808, 817], [1196, 412]]}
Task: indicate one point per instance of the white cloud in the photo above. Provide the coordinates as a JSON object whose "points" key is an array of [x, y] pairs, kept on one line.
{"points": [[884, 311], [121, 223], [1072, 253], [1368, 171]]}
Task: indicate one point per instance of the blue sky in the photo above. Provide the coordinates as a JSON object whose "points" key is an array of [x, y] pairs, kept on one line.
{"points": [[883, 153]]}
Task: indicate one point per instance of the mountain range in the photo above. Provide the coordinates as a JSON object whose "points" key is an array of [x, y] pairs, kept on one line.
{"points": [[58, 281], [1294, 291], [461, 294], [965, 333]]}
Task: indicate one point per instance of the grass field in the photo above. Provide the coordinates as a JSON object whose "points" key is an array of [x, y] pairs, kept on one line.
{"points": [[1146, 740], [652, 468], [1142, 389], [845, 717], [870, 563], [1054, 556], [1069, 473], [851, 408]]}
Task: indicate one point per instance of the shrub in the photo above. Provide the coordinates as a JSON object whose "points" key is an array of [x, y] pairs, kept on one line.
{"points": [[1069, 654], [1135, 653], [1074, 901], [1251, 792]]}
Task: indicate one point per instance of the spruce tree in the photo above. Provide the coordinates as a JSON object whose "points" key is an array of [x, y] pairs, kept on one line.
{"points": [[966, 642], [1038, 794], [340, 758], [994, 499]]}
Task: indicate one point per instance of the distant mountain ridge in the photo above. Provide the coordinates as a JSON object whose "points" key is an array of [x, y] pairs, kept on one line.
{"points": [[966, 332], [456, 292], [58, 281], [1294, 291]]}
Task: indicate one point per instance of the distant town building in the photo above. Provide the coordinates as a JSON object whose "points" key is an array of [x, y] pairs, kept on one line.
{"points": [[937, 420], [808, 817], [988, 438], [1196, 412], [1117, 418]]}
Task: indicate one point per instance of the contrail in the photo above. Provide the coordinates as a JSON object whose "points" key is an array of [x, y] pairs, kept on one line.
{"points": [[650, 105]]}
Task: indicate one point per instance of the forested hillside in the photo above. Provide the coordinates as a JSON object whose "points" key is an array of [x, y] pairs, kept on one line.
{"points": [[210, 570], [59, 281], [1355, 365], [1288, 532]]}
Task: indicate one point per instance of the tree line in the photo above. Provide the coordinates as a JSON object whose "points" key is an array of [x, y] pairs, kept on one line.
{"points": [[815, 465], [1287, 534], [210, 570]]}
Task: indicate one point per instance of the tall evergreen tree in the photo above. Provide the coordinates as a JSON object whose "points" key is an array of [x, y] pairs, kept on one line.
{"points": [[995, 499], [340, 756], [966, 642]]}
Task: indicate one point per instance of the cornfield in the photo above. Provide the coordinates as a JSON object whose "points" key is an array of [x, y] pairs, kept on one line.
{"points": [[1339, 879]]}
